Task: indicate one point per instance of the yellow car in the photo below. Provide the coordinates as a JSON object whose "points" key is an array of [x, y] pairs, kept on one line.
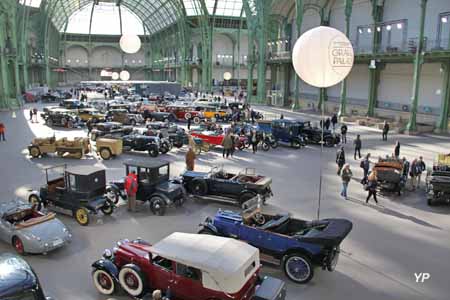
{"points": [[90, 114], [218, 114]]}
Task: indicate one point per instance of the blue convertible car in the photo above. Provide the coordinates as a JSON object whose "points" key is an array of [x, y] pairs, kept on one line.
{"points": [[297, 245]]}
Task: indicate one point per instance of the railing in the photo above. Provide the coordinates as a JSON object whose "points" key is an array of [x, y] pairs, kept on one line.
{"points": [[280, 55]]}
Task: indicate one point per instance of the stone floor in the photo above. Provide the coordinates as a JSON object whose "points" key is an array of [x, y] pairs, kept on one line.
{"points": [[389, 242]]}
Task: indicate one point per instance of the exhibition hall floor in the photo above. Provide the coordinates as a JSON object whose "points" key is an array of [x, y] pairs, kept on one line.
{"points": [[389, 243]]}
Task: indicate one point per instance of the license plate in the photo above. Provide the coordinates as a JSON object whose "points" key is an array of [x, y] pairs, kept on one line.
{"points": [[57, 242]]}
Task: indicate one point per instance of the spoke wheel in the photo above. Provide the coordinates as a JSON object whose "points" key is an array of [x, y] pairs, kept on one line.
{"points": [[105, 153], [298, 268], [35, 152], [131, 281], [82, 216], [104, 282], [157, 206], [107, 209]]}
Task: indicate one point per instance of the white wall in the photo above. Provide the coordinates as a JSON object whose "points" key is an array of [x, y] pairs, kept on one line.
{"points": [[396, 84], [431, 86], [76, 56], [105, 56]]}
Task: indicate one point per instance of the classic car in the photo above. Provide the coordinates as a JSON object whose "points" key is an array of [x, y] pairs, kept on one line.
{"points": [[230, 187], [108, 148], [438, 181], [140, 142], [159, 116], [92, 114], [297, 245], [390, 175], [29, 230], [154, 185], [313, 135], [161, 136], [78, 190], [185, 113], [192, 266], [18, 281], [63, 147], [61, 117], [176, 134], [110, 130], [212, 112], [214, 138], [73, 104], [124, 117]]}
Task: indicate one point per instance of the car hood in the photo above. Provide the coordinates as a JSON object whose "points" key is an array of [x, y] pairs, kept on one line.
{"points": [[169, 187], [47, 231]]}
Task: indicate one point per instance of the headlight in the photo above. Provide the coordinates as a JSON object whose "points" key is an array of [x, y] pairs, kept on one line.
{"points": [[65, 229], [46, 245], [107, 253]]}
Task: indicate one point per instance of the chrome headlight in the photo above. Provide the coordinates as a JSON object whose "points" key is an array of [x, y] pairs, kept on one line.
{"points": [[107, 253]]}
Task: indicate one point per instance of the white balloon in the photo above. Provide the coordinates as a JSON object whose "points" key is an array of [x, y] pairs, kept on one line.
{"points": [[323, 56], [227, 76], [125, 75], [115, 76], [130, 43]]}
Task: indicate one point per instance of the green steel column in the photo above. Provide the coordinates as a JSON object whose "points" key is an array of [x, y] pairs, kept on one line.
{"points": [[348, 14], [13, 30], [261, 33], [445, 106], [24, 45], [250, 66], [299, 10], [4, 64], [239, 48], [418, 61]]}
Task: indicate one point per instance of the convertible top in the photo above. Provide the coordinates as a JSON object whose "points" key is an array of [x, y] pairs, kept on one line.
{"points": [[153, 163], [333, 234]]}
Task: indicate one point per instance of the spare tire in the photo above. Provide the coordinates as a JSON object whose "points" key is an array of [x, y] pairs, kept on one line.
{"points": [[198, 187]]}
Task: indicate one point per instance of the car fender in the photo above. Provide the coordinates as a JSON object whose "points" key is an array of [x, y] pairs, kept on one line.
{"points": [[107, 266], [116, 189], [211, 227], [163, 196], [247, 190], [298, 250]]}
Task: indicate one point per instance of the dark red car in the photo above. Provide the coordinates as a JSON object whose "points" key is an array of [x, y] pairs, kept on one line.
{"points": [[185, 112], [188, 267]]}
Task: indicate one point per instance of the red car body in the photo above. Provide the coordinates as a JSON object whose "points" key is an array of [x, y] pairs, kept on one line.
{"points": [[216, 139], [184, 113]]}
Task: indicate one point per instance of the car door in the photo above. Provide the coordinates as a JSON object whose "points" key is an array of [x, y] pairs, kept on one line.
{"points": [[6, 229], [253, 235], [224, 186], [187, 283], [161, 273]]}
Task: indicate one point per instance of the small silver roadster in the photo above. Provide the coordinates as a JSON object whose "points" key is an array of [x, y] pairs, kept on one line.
{"points": [[29, 230]]}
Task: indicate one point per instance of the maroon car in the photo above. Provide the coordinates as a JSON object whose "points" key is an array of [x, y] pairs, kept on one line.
{"points": [[186, 267]]}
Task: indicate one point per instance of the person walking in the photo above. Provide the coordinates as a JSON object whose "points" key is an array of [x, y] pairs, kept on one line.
{"points": [[254, 141], [365, 165], [385, 130], [358, 144], [189, 120], [405, 169], [227, 143], [340, 160], [190, 159], [2, 132], [413, 173], [346, 177], [334, 120], [31, 115], [372, 186], [131, 187], [397, 149], [344, 130], [89, 126], [35, 114], [327, 123], [421, 167]]}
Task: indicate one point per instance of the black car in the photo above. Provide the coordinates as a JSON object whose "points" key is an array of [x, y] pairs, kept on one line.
{"points": [[140, 142], [110, 130], [79, 190], [313, 135], [222, 186], [438, 185], [124, 117], [18, 280], [154, 185], [60, 117], [159, 116], [176, 135], [73, 104]]}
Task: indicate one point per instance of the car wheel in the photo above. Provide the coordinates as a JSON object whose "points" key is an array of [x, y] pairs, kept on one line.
{"points": [[107, 209], [274, 144], [198, 187], [158, 206], [196, 120], [112, 195], [265, 146], [153, 152], [69, 124], [296, 144], [298, 268], [131, 281], [49, 122], [34, 201], [164, 148], [245, 197], [35, 152], [328, 143], [104, 282], [206, 231], [82, 216], [105, 153], [187, 116], [178, 144], [18, 245]]}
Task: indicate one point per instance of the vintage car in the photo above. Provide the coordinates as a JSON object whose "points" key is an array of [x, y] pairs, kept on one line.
{"points": [[140, 142], [74, 148], [228, 187], [108, 148], [72, 104], [154, 185], [390, 175], [124, 117], [192, 266], [210, 112], [29, 230], [79, 190], [110, 130], [438, 181], [61, 117], [297, 245], [18, 281], [185, 113], [92, 114], [215, 138], [159, 116]]}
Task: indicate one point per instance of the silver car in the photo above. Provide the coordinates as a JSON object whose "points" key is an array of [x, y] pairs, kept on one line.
{"points": [[29, 230]]}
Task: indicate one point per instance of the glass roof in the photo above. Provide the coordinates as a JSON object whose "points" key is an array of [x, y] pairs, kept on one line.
{"points": [[224, 7], [32, 3]]}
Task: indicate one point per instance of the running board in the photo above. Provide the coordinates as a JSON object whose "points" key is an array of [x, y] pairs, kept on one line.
{"points": [[216, 199], [270, 260]]}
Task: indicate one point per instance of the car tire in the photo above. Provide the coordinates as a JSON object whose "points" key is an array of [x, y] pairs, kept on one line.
{"points": [[112, 195], [69, 124], [153, 152], [107, 209], [35, 152], [49, 122], [328, 143], [81, 215], [198, 187], [206, 231], [103, 282], [298, 268], [34, 200], [132, 281], [296, 144], [274, 144], [164, 148], [265, 146], [18, 245], [187, 116], [157, 206], [105, 153], [244, 197], [196, 120]]}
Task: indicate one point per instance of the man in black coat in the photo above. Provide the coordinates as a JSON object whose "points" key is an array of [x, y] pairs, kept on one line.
{"points": [[344, 130], [334, 120], [385, 130], [340, 159], [358, 145]]}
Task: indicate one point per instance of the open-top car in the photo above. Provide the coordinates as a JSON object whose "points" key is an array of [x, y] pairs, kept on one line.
{"points": [[390, 175], [297, 245], [188, 267], [78, 190], [154, 185], [223, 186], [124, 117], [61, 117], [29, 230], [438, 181], [110, 130], [214, 138], [92, 114]]}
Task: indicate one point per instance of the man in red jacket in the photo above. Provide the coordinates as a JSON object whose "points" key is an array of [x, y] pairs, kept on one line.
{"points": [[131, 186]]}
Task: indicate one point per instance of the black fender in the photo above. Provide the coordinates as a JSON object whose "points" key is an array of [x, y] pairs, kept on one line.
{"points": [[107, 266], [313, 258], [210, 226], [116, 189], [163, 196], [245, 190]]}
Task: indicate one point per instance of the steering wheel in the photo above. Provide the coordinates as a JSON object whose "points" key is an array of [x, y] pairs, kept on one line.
{"points": [[259, 218]]}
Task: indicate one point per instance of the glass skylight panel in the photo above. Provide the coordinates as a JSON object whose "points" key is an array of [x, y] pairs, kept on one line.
{"points": [[32, 3]]}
